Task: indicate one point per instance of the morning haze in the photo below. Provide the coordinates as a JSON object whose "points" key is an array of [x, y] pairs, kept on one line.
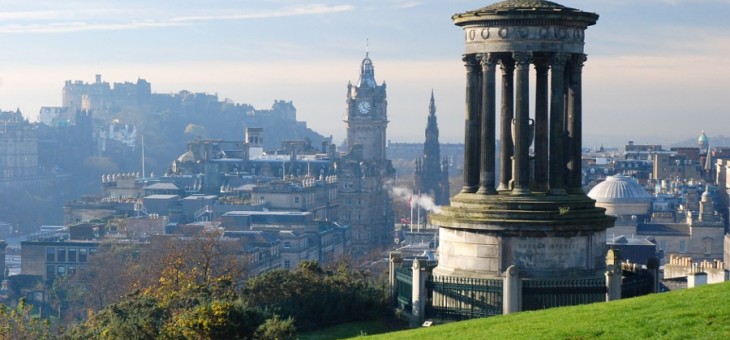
{"points": [[653, 63]]}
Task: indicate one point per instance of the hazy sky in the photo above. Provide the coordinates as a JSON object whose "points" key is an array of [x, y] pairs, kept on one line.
{"points": [[657, 70]]}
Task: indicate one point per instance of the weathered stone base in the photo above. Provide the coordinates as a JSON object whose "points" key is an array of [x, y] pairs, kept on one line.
{"points": [[561, 236]]}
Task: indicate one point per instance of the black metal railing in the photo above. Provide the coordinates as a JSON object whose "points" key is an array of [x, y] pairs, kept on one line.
{"points": [[457, 298], [636, 284], [541, 294]]}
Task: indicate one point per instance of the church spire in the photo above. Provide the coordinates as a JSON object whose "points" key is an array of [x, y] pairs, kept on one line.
{"points": [[432, 177], [432, 106]]}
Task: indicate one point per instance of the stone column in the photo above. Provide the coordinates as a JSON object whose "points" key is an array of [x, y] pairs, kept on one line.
{"points": [[541, 125], [575, 122], [506, 115], [511, 291], [521, 138], [487, 179], [613, 275], [557, 108], [418, 292], [396, 258], [472, 126]]}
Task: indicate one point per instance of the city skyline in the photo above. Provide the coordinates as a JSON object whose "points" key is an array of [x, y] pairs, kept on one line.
{"points": [[656, 67]]}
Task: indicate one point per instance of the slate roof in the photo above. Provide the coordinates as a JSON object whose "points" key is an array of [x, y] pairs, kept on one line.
{"points": [[162, 186], [663, 229]]}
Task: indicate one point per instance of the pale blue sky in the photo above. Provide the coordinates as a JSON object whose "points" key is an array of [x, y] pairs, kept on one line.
{"points": [[657, 69]]}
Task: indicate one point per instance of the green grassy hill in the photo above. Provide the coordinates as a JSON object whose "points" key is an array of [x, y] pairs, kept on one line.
{"points": [[699, 313]]}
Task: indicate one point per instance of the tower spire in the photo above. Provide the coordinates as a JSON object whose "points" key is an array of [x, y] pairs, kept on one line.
{"points": [[432, 105]]}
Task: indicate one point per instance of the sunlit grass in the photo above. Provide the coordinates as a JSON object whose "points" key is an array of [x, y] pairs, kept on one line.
{"points": [[702, 313]]}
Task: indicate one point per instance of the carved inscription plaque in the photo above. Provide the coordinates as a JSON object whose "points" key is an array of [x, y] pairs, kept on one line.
{"points": [[548, 252]]}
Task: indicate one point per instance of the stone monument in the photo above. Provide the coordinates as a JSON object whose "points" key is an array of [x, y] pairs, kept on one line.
{"points": [[535, 216]]}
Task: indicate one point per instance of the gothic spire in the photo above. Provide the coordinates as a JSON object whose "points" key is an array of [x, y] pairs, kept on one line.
{"points": [[432, 106]]}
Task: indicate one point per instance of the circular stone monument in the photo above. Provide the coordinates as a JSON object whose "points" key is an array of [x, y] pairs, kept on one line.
{"points": [[535, 216]]}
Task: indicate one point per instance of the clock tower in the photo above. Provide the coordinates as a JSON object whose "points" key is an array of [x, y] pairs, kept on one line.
{"points": [[366, 111], [363, 173]]}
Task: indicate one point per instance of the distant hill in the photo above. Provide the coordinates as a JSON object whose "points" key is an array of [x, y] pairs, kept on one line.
{"points": [[715, 141], [698, 313]]}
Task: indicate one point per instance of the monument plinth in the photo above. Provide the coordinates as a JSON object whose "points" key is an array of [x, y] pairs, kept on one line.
{"points": [[535, 216]]}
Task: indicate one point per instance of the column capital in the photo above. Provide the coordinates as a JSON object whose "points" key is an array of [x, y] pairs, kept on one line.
{"points": [[522, 59], [470, 61], [558, 60], [507, 65], [577, 61], [488, 60]]}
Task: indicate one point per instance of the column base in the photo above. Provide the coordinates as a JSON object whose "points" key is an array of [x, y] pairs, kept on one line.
{"points": [[488, 190], [521, 192], [468, 190]]}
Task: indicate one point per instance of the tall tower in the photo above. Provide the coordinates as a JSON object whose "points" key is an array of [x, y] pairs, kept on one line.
{"points": [[534, 223], [367, 114], [432, 176], [363, 174]]}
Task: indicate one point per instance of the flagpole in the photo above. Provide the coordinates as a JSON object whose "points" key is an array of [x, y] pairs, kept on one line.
{"points": [[418, 226]]}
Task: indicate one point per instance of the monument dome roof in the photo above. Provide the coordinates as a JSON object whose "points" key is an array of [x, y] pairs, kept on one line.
{"points": [[522, 4], [702, 138], [525, 10], [619, 189]]}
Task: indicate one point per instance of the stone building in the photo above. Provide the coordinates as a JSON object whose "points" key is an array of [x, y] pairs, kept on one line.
{"points": [[675, 165], [18, 148], [364, 172], [432, 173], [534, 222]]}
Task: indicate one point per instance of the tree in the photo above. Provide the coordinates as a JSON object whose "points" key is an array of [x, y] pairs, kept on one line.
{"points": [[18, 323]]}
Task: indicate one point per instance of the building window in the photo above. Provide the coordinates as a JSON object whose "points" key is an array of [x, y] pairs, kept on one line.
{"points": [[663, 245], [50, 271], [71, 270], [71, 254], [287, 264], [296, 199], [682, 246], [82, 255], [287, 244], [708, 246], [61, 270], [51, 254], [61, 255]]}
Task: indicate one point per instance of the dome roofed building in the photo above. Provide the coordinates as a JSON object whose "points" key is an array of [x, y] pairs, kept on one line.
{"points": [[621, 195], [703, 142]]}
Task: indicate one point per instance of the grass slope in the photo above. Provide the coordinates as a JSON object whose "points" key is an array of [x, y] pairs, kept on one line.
{"points": [[699, 313]]}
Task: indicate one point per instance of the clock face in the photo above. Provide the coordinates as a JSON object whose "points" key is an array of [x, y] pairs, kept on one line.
{"points": [[364, 107]]}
